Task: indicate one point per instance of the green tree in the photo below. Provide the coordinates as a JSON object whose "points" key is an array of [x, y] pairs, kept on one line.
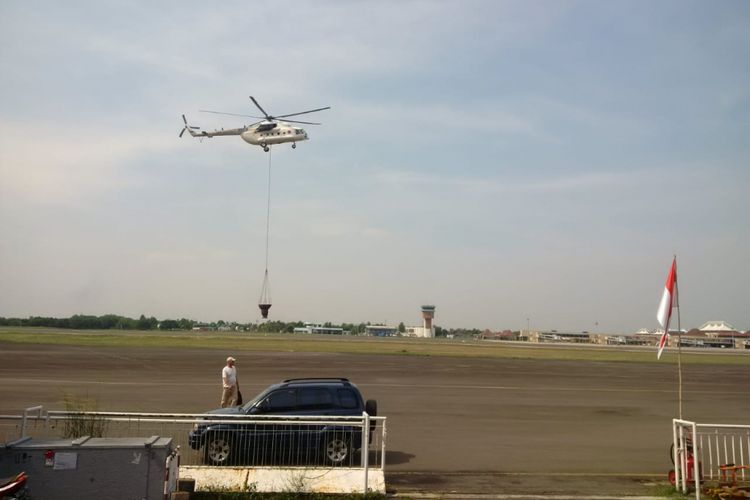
{"points": [[126, 324], [83, 322], [109, 321], [144, 323], [169, 324], [186, 324]]}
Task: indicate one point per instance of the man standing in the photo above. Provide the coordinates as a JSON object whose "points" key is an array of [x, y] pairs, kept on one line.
{"points": [[229, 384]]}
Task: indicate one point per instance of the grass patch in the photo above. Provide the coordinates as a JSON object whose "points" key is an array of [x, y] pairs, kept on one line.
{"points": [[82, 425], [669, 491], [355, 345]]}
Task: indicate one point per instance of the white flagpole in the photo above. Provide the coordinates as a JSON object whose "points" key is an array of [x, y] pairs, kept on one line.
{"points": [[679, 339]]}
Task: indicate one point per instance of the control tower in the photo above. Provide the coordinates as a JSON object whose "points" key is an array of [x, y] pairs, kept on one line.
{"points": [[428, 313]]}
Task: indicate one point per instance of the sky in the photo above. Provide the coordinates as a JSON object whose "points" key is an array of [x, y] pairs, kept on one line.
{"points": [[513, 163]]}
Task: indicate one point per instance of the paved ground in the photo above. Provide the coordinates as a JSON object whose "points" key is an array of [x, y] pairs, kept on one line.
{"points": [[454, 425]]}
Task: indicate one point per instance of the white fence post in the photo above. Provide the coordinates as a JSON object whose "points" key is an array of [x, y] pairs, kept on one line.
{"points": [[675, 455], [696, 464], [382, 450], [365, 447], [25, 415]]}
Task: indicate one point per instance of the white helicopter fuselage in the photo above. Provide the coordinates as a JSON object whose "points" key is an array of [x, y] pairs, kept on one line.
{"points": [[267, 133]]}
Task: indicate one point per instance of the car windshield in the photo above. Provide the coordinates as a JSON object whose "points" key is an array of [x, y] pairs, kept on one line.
{"points": [[246, 407]]}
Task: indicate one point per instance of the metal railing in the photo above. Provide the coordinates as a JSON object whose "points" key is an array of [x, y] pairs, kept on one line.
{"points": [[224, 440], [709, 452]]}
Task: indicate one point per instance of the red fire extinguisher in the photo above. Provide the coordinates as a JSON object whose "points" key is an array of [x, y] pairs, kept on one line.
{"points": [[689, 465]]}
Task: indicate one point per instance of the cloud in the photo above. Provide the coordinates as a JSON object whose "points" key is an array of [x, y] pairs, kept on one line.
{"points": [[46, 164], [547, 185]]}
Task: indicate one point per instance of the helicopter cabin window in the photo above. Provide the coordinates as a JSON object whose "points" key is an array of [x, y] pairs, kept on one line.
{"points": [[298, 131]]}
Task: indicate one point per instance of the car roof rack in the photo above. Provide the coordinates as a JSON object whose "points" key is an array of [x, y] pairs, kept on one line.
{"points": [[314, 379]]}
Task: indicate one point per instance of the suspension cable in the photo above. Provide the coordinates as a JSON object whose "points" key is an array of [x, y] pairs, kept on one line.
{"points": [[264, 303], [268, 207]]}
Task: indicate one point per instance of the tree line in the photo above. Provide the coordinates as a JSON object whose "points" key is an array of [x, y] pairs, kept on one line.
{"points": [[116, 322], [106, 322]]}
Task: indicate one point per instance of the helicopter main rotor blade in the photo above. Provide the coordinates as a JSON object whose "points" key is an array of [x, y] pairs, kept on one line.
{"points": [[269, 117], [230, 114], [304, 113], [306, 123]]}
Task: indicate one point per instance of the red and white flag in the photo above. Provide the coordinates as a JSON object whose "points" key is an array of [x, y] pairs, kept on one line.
{"points": [[668, 300]]}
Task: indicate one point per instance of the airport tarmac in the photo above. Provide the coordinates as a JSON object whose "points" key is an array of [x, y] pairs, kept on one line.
{"points": [[454, 424]]}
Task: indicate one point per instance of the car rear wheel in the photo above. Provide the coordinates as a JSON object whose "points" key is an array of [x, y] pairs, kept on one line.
{"points": [[218, 449]]}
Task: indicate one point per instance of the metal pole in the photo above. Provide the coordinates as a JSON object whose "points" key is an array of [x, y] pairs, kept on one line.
{"points": [[683, 460], [365, 447], [675, 455], [382, 450], [695, 464], [679, 341]]}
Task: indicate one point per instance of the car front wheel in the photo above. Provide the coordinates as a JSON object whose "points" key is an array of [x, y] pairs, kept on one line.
{"points": [[218, 449], [336, 450]]}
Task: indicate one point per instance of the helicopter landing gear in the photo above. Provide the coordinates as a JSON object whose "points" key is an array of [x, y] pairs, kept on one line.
{"points": [[266, 149], [264, 146], [294, 145]]}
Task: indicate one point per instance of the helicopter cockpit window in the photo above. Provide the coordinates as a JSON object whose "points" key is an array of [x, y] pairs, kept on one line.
{"points": [[263, 127]]}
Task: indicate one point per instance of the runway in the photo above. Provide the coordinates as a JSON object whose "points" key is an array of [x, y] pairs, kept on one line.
{"points": [[474, 424]]}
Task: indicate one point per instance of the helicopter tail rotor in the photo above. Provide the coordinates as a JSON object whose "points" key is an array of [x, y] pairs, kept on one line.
{"points": [[187, 127]]}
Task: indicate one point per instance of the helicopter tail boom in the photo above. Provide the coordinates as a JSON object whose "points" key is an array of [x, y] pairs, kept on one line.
{"points": [[197, 132]]}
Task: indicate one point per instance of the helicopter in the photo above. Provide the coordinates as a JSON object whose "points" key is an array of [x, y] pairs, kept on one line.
{"points": [[268, 131]]}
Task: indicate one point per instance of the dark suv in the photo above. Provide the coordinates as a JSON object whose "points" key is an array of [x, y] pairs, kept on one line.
{"points": [[272, 442]]}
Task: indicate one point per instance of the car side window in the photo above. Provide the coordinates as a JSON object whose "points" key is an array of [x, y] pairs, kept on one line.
{"points": [[281, 400], [347, 399], [315, 398]]}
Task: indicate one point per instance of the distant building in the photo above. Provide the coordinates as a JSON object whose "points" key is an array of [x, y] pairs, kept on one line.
{"points": [[722, 334], [555, 336], [646, 331], [427, 329], [504, 335], [717, 327], [418, 331], [320, 330], [381, 331], [637, 339]]}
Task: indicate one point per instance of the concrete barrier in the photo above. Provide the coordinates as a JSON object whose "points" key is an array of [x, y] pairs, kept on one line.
{"points": [[283, 479]]}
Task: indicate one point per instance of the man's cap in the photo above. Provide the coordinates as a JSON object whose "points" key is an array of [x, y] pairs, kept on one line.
{"points": [[230, 358]]}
